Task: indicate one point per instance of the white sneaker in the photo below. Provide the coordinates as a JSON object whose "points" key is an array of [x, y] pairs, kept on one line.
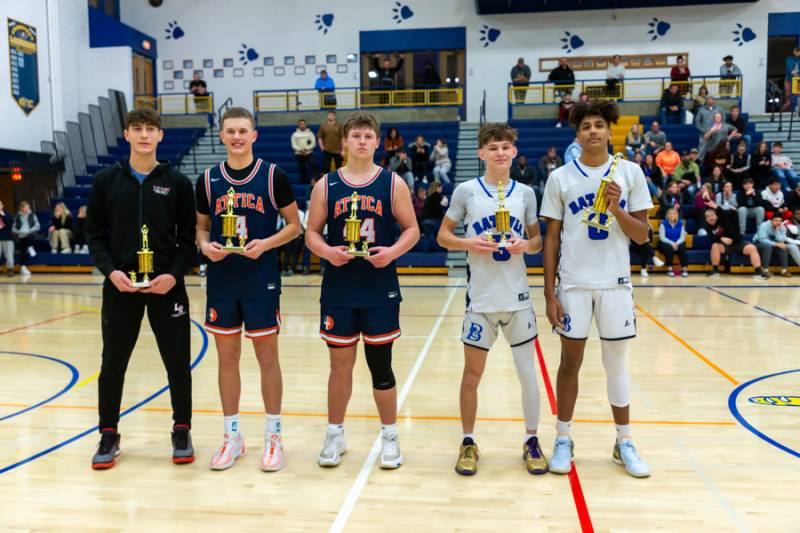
{"points": [[76, 249], [53, 250], [24, 271], [671, 273], [65, 251], [625, 455], [657, 261], [558, 124], [684, 273], [232, 448], [31, 251], [272, 460], [332, 449], [85, 249], [561, 460], [391, 456], [644, 273]]}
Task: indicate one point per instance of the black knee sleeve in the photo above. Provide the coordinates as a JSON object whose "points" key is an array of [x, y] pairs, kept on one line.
{"points": [[379, 360]]}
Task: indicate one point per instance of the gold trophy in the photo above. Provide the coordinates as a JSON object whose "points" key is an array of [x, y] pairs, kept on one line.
{"points": [[502, 218], [229, 227], [593, 216], [352, 230], [145, 257]]}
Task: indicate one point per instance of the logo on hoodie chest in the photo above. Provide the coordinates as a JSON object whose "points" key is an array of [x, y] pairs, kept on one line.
{"points": [[164, 191]]}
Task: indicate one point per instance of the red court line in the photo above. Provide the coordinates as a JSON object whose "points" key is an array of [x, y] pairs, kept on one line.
{"points": [[42, 322], [574, 481]]}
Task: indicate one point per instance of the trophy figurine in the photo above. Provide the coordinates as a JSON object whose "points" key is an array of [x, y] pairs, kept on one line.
{"points": [[229, 227], [352, 230], [597, 216], [145, 257], [502, 219]]}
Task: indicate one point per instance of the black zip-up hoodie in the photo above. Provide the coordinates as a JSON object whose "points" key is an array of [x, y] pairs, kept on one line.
{"points": [[120, 205]]}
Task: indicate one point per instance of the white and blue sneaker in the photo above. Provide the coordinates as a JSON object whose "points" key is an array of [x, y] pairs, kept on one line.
{"points": [[625, 455], [561, 459]]}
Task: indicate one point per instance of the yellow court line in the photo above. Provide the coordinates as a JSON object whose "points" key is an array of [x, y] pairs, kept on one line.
{"points": [[688, 346], [87, 380], [88, 308], [399, 417]]}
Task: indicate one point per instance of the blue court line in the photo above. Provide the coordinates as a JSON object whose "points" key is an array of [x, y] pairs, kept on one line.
{"points": [[129, 410], [67, 387], [739, 418], [757, 307], [734, 298]]}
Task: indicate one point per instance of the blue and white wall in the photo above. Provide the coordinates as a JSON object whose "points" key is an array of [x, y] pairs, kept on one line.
{"points": [[202, 29], [71, 75]]}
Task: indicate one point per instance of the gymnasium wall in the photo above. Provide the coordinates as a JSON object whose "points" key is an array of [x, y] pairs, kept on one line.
{"points": [[200, 29], [71, 75]]}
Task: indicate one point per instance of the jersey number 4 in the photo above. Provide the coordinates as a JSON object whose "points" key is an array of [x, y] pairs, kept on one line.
{"points": [[241, 226], [367, 230]]}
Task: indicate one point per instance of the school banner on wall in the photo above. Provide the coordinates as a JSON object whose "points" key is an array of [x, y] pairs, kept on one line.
{"points": [[24, 75]]}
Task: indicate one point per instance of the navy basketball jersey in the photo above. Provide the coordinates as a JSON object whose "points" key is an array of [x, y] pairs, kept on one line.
{"points": [[358, 283], [237, 276]]}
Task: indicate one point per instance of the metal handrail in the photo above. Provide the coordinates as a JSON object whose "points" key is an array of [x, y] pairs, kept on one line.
{"points": [[218, 116], [282, 100]]}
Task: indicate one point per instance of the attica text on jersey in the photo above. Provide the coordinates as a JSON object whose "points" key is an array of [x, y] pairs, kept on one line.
{"points": [[368, 203], [241, 200]]}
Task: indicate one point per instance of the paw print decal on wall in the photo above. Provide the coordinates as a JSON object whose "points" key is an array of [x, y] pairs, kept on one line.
{"points": [[489, 35], [658, 28], [743, 35], [401, 12], [324, 22], [174, 31], [571, 42], [247, 54]]}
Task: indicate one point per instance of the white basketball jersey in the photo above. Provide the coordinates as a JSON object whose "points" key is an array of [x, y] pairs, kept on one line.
{"points": [[498, 281], [592, 258]]}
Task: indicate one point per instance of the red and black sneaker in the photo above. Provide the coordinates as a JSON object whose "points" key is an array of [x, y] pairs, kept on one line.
{"points": [[182, 449], [107, 451]]}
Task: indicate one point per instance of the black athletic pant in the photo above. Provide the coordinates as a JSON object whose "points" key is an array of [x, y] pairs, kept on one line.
{"points": [[327, 157], [670, 252], [121, 320]]}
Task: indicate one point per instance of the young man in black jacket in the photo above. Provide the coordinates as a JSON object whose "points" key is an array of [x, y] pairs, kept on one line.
{"points": [[126, 196]]}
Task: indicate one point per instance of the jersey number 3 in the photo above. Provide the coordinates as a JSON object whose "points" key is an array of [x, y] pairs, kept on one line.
{"points": [[501, 254], [599, 234]]}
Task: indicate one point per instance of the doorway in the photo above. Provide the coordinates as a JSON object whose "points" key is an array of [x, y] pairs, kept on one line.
{"points": [[143, 82]]}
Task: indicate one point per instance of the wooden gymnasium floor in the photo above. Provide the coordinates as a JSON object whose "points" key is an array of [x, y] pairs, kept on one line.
{"points": [[720, 462]]}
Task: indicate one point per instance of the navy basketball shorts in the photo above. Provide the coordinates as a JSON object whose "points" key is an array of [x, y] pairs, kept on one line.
{"points": [[258, 317], [342, 326]]}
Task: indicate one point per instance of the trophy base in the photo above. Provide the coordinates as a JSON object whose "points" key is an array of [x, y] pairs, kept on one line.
{"points": [[234, 249], [357, 253], [141, 284]]}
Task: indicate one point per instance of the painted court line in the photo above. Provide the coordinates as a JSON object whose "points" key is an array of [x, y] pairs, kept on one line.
{"points": [[54, 319], [355, 491], [73, 378]]}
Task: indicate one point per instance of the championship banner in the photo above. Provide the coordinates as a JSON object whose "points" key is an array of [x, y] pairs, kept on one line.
{"points": [[22, 51]]}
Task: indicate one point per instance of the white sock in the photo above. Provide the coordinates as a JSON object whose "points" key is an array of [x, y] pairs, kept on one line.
{"points": [[273, 423], [388, 428], [470, 436], [336, 428], [623, 432], [563, 428], [232, 424]]}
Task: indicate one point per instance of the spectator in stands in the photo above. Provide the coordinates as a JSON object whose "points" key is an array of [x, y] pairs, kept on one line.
{"points": [[739, 166], [793, 201], [440, 155], [572, 152], [547, 164], [736, 120], [655, 139], [431, 78], [687, 174], [563, 77], [719, 157], [646, 255], [583, 98], [671, 197], [329, 137], [671, 106], [750, 205], [672, 240], [667, 160], [391, 144], [386, 72], [792, 226], [727, 200], [634, 142], [420, 152], [615, 74], [770, 237], [703, 200], [717, 133], [652, 174], [700, 100], [704, 118], [726, 239], [303, 146], [60, 230], [401, 164], [680, 75], [782, 167], [792, 70], [728, 71], [79, 245], [523, 172], [520, 77], [7, 239], [199, 89], [26, 226], [716, 180], [761, 165], [433, 211], [564, 107], [418, 200], [772, 198], [327, 90]]}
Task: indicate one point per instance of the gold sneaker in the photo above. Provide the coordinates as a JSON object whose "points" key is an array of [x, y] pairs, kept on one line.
{"points": [[467, 464], [534, 458]]}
